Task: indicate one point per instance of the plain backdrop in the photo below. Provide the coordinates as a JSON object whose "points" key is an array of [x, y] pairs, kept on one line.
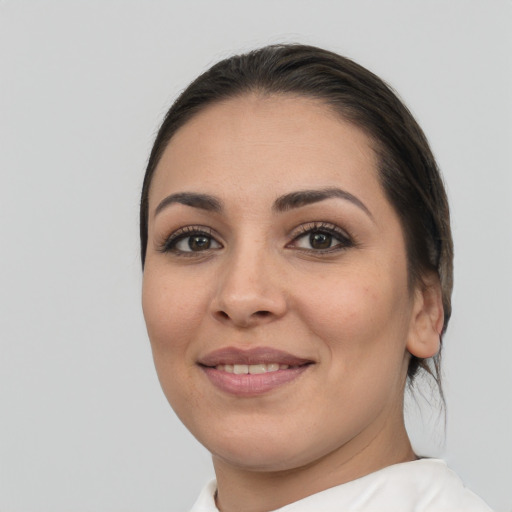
{"points": [[84, 426]]}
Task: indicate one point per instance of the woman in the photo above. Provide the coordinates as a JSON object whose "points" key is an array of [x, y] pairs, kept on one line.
{"points": [[297, 263]]}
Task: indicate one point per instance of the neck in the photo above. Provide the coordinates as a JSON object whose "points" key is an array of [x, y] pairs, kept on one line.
{"points": [[246, 490]]}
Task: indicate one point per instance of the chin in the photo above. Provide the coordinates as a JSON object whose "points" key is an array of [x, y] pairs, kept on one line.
{"points": [[253, 445], [269, 446], [269, 459]]}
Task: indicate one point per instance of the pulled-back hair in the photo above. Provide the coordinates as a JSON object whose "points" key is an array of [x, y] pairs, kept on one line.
{"points": [[407, 169]]}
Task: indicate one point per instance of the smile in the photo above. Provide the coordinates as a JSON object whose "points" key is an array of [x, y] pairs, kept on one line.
{"points": [[253, 369], [252, 372]]}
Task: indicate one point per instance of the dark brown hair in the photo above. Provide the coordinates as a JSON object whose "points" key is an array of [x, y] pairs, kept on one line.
{"points": [[408, 172]]}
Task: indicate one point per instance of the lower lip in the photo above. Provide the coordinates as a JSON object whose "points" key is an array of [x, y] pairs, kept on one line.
{"points": [[252, 385]]}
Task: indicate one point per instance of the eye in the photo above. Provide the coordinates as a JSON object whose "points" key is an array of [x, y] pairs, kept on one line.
{"points": [[190, 240], [321, 237], [194, 243]]}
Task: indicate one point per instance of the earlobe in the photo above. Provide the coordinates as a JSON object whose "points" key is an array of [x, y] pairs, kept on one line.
{"points": [[427, 319]]}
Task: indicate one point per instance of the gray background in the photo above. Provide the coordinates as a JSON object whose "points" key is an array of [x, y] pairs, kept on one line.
{"points": [[83, 86]]}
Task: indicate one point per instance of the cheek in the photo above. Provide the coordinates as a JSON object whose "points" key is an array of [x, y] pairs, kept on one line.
{"points": [[355, 316], [172, 310], [362, 329], [172, 320]]}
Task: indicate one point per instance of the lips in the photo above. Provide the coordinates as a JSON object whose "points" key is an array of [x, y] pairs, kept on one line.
{"points": [[257, 355], [253, 371]]}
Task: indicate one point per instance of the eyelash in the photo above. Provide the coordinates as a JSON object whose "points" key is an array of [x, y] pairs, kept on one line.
{"points": [[344, 240], [170, 243], [187, 232]]}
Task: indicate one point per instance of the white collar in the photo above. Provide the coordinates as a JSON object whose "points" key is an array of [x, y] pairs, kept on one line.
{"points": [[425, 485]]}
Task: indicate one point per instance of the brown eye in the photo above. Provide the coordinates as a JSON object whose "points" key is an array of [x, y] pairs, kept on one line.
{"points": [[322, 238], [319, 240], [190, 240], [195, 243], [199, 242]]}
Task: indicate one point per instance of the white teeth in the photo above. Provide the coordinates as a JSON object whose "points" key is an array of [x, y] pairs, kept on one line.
{"points": [[257, 368], [240, 369], [244, 369]]}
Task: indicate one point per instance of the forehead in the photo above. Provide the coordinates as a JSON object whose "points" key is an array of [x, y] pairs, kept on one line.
{"points": [[266, 144]]}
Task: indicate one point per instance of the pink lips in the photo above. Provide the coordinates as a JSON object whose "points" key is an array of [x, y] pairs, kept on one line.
{"points": [[251, 384]]}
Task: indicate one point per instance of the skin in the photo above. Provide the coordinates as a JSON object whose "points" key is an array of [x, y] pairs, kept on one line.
{"points": [[348, 309]]}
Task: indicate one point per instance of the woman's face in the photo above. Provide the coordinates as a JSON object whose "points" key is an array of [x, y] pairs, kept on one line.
{"points": [[275, 286]]}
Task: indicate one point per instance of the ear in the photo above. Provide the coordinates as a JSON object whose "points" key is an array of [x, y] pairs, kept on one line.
{"points": [[427, 318]]}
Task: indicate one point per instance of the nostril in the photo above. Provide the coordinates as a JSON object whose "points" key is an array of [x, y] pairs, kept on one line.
{"points": [[262, 314], [257, 314]]}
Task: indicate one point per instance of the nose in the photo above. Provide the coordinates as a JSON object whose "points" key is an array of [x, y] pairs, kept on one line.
{"points": [[250, 291]]}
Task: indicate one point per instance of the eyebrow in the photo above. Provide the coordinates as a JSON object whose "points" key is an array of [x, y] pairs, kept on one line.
{"points": [[201, 201], [305, 197], [281, 204]]}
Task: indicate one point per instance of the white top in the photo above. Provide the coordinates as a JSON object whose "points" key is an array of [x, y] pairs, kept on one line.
{"points": [[425, 485]]}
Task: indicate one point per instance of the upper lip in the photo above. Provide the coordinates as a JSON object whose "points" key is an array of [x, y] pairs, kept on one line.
{"points": [[257, 355]]}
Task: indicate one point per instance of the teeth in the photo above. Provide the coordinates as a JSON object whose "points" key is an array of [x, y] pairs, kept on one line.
{"points": [[257, 368], [240, 369], [244, 369]]}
